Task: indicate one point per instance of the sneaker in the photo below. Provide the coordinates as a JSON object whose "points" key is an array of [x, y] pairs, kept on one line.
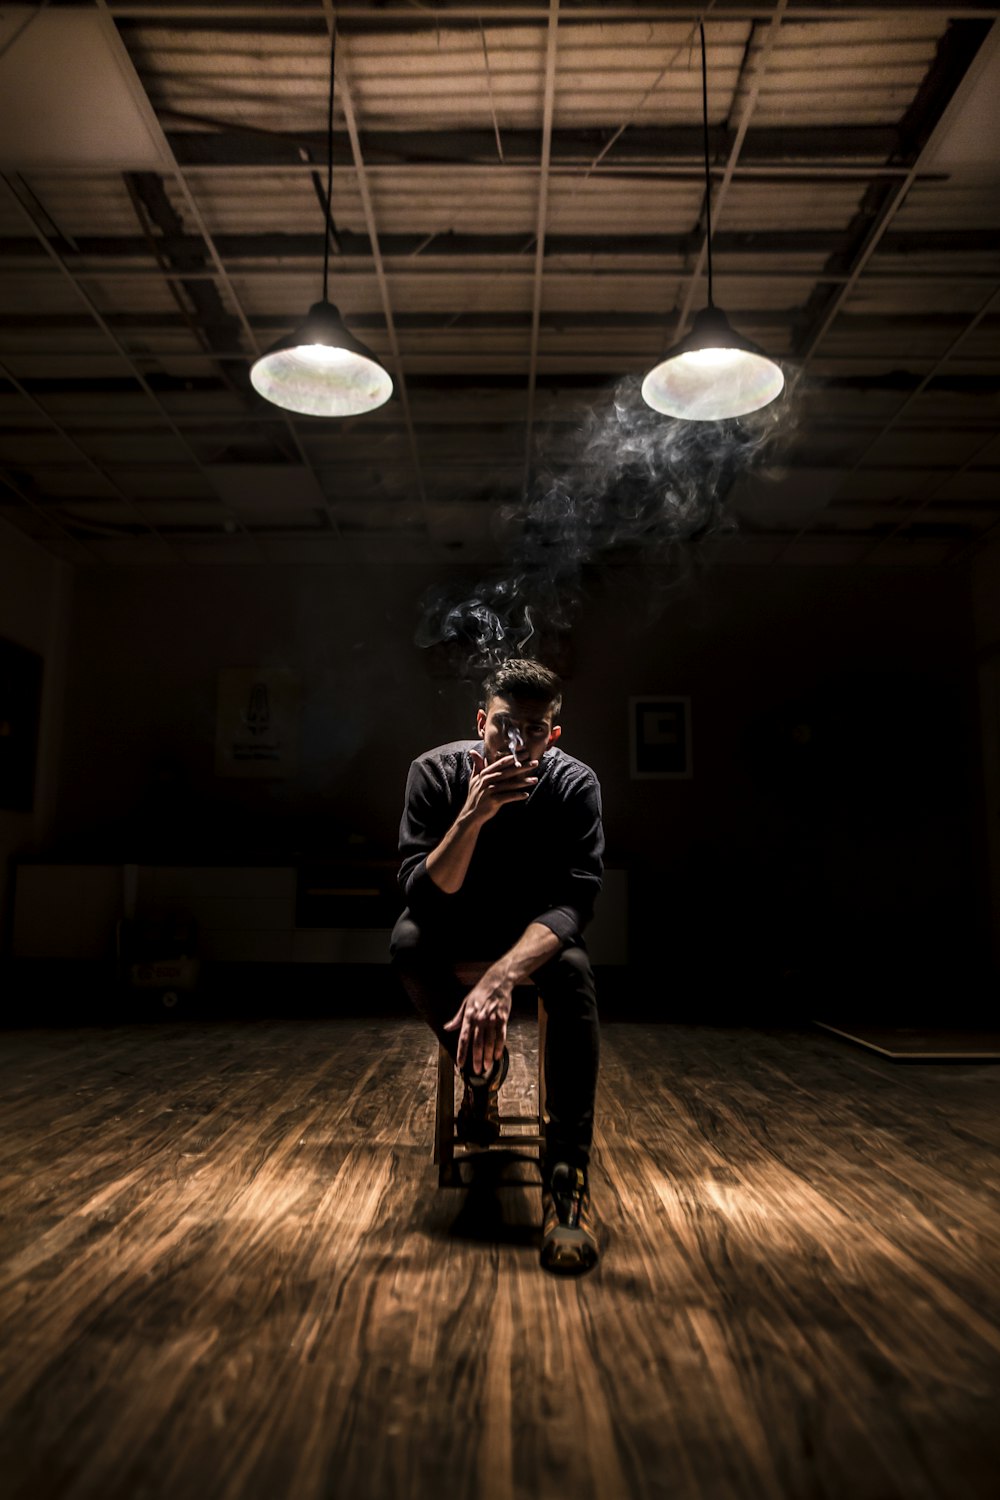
{"points": [[478, 1122], [569, 1232]]}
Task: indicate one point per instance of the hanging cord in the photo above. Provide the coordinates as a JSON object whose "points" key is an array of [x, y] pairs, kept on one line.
{"points": [[328, 227], [708, 175]]}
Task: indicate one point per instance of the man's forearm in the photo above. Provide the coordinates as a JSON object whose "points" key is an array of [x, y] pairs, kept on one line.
{"points": [[448, 864], [534, 947]]}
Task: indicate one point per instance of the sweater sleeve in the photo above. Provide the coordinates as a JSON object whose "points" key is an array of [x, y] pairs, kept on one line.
{"points": [[578, 882], [426, 819]]}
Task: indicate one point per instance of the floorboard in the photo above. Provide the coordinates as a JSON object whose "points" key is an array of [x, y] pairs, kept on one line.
{"points": [[227, 1271]]}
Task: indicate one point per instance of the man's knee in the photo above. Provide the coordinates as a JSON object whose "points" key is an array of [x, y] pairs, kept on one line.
{"points": [[576, 962], [567, 980], [404, 944], [414, 952]]}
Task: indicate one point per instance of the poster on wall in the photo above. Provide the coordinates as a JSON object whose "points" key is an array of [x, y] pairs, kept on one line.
{"points": [[20, 709], [257, 722], [660, 738]]}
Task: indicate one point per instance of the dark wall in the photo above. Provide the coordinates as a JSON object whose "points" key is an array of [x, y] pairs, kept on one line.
{"points": [[147, 647], [831, 829], [831, 822], [985, 568], [35, 593]]}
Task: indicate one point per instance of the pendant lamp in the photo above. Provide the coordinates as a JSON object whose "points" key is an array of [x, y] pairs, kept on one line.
{"points": [[321, 369], [714, 372]]}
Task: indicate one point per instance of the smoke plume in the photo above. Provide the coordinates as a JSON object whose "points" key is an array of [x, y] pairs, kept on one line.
{"points": [[634, 484]]}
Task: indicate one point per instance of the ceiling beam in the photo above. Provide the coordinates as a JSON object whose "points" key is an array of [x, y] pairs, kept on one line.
{"points": [[935, 489], [719, 196], [431, 271], [364, 188], [210, 323], [126, 358], [448, 459], [860, 374], [308, 246], [142, 102], [595, 150], [405, 15], [918, 390], [950, 88], [948, 104], [567, 320], [541, 221], [91, 463]]}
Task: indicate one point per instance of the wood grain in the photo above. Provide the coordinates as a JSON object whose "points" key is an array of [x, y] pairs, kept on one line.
{"points": [[227, 1271]]}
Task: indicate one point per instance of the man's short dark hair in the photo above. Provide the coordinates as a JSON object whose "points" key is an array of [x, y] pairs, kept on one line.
{"points": [[519, 677]]}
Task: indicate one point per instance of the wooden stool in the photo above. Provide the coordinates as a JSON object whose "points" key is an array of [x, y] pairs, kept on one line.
{"points": [[511, 1125]]}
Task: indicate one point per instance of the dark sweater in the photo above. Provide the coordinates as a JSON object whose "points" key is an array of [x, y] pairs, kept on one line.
{"points": [[534, 861]]}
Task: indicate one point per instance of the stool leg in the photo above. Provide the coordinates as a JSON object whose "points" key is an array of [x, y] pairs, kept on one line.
{"points": [[542, 1022], [444, 1119]]}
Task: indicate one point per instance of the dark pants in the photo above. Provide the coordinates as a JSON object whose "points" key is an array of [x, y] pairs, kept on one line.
{"points": [[425, 963]]}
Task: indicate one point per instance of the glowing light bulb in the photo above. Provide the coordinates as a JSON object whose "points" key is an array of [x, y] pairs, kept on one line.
{"points": [[716, 358], [322, 356]]}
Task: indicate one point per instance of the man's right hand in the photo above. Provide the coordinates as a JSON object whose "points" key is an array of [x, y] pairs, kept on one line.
{"points": [[490, 788], [493, 786]]}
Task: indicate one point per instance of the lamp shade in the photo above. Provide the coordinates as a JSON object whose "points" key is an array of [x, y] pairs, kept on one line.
{"points": [[712, 374], [321, 369]]}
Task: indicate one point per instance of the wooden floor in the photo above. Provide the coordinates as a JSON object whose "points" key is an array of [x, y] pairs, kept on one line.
{"points": [[228, 1274]]}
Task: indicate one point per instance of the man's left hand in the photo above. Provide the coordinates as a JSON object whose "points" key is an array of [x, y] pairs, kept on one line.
{"points": [[482, 1017]]}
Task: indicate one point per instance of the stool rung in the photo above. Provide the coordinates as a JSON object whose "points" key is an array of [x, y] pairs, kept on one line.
{"points": [[504, 1140]]}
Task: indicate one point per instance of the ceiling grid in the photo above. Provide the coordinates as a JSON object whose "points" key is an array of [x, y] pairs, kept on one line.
{"points": [[232, 519], [518, 195]]}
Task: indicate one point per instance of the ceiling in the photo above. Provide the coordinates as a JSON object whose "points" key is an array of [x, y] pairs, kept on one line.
{"points": [[519, 223]]}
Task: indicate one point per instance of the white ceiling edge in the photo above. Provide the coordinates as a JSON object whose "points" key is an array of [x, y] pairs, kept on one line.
{"points": [[966, 139], [69, 95]]}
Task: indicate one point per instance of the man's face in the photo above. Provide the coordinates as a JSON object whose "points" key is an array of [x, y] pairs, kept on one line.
{"points": [[520, 725]]}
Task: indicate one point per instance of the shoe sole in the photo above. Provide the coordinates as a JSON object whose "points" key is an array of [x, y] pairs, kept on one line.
{"points": [[568, 1257]]}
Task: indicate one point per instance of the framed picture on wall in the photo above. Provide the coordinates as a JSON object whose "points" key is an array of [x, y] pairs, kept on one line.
{"points": [[20, 707], [659, 738], [257, 722]]}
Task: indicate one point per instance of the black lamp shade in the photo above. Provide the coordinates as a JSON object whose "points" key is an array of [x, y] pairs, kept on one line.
{"points": [[713, 373], [321, 369]]}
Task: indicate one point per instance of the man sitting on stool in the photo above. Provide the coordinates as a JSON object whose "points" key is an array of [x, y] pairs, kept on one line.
{"points": [[501, 849]]}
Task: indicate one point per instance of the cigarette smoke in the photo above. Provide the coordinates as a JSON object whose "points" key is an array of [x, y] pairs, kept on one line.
{"points": [[635, 483]]}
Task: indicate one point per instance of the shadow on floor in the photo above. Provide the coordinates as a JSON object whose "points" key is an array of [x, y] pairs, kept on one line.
{"points": [[499, 1202]]}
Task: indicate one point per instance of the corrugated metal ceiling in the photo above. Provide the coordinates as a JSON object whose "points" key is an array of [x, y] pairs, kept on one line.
{"points": [[835, 247]]}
